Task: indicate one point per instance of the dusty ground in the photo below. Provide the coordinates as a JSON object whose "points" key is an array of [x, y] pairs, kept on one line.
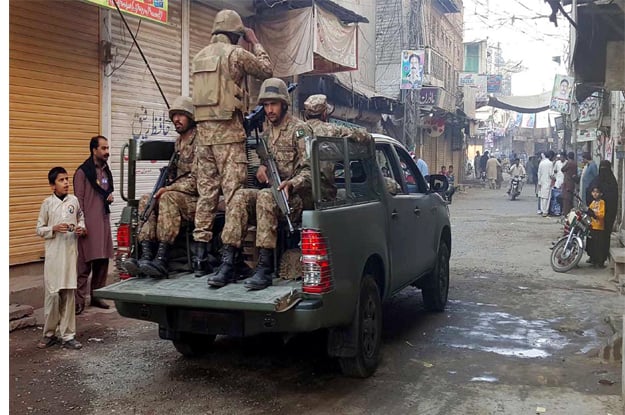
{"points": [[516, 336]]}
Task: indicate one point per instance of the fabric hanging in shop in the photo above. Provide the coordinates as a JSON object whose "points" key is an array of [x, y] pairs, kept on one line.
{"points": [[309, 40]]}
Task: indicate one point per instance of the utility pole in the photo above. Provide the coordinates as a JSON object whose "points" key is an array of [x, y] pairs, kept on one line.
{"points": [[412, 38]]}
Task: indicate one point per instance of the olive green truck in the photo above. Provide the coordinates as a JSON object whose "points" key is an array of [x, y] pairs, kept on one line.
{"points": [[353, 253]]}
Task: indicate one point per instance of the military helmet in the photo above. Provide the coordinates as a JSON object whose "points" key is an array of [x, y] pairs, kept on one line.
{"points": [[274, 89], [182, 105], [228, 21], [317, 104]]}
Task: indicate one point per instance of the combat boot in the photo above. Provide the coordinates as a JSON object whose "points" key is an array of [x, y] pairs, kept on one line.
{"points": [[158, 267], [200, 259], [225, 274], [133, 266], [262, 277]]}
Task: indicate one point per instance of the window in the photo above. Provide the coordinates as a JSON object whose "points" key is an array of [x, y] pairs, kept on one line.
{"points": [[415, 183], [472, 57]]}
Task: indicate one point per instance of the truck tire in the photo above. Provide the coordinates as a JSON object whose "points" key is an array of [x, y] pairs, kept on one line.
{"points": [[194, 345], [436, 288], [369, 332]]}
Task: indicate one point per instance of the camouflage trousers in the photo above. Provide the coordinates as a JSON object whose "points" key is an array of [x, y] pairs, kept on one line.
{"points": [[221, 168], [257, 207], [164, 222]]}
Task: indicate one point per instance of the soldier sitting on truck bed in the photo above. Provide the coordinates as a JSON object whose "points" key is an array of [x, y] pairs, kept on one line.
{"points": [[286, 138], [176, 201]]}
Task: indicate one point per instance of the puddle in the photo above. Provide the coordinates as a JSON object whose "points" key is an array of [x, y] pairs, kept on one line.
{"points": [[501, 333], [489, 379]]}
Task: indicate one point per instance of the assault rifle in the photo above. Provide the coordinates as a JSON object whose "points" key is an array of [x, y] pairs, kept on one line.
{"points": [[274, 180], [163, 177], [254, 122]]}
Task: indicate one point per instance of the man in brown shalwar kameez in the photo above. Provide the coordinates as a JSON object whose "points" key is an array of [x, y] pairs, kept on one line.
{"points": [[93, 186]]}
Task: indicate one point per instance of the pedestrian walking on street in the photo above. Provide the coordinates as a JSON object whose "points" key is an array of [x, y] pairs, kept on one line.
{"points": [[545, 170], [60, 223], [476, 164], [492, 166], [93, 186], [219, 100]]}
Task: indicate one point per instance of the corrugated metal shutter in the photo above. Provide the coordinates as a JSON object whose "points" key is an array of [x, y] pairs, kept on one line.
{"points": [[201, 25], [54, 99], [137, 107]]}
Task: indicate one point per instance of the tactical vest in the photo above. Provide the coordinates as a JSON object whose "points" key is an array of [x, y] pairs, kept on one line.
{"points": [[216, 96]]}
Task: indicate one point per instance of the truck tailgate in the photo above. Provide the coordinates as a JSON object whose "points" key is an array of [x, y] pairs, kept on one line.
{"points": [[185, 290]]}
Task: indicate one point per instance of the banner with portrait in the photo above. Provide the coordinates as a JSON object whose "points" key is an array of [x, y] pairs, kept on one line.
{"points": [[561, 94], [412, 64]]}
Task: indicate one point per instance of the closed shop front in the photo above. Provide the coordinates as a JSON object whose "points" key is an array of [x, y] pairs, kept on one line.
{"points": [[137, 107], [54, 101]]}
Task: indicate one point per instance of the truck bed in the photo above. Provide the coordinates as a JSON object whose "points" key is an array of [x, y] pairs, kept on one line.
{"points": [[186, 290]]}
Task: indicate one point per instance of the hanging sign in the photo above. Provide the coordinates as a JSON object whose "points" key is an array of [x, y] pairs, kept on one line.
{"points": [[155, 10]]}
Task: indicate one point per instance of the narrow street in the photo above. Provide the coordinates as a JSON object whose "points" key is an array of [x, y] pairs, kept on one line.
{"points": [[515, 337]]}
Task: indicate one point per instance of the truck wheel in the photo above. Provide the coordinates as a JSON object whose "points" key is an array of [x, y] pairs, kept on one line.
{"points": [[436, 287], [193, 345], [369, 332]]}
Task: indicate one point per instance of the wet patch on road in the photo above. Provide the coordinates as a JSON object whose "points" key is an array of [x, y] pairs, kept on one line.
{"points": [[501, 333]]}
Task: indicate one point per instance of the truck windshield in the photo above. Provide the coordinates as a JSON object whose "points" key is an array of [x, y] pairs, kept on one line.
{"points": [[346, 166]]}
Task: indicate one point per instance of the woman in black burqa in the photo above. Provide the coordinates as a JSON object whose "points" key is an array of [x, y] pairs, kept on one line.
{"points": [[606, 181]]}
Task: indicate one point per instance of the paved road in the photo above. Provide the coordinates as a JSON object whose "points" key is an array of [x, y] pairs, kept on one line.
{"points": [[515, 336]]}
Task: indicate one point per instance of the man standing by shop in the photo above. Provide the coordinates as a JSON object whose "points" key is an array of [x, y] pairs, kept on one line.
{"points": [[287, 138], [568, 184], [93, 186], [221, 162], [176, 200]]}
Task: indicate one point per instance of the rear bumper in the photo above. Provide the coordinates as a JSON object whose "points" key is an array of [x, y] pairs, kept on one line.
{"points": [[305, 316]]}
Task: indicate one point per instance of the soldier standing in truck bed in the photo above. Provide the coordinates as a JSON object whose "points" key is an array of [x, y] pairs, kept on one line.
{"points": [[221, 161]]}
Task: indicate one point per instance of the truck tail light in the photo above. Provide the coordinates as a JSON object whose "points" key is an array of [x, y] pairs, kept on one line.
{"points": [[317, 278], [123, 249]]}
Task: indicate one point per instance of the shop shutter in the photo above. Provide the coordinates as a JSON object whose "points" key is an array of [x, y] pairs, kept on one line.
{"points": [[137, 107], [200, 27], [54, 100]]}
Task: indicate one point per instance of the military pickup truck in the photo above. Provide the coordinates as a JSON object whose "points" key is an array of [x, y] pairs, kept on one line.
{"points": [[386, 229]]}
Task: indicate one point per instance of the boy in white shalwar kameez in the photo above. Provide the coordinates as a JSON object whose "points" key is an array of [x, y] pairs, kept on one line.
{"points": [[60, 223]]}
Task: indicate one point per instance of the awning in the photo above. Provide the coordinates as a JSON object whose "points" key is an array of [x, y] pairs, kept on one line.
{"points": [[524, 104]]}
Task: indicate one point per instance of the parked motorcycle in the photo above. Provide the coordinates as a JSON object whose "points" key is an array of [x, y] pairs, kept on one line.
{"points": [[516, 185], [569, 249]]}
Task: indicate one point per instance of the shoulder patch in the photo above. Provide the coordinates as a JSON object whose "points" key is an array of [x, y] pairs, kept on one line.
{"points": [[300, 133]]}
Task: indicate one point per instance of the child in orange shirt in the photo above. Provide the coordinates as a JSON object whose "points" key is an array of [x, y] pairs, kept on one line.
{"points": [[597, 246]]}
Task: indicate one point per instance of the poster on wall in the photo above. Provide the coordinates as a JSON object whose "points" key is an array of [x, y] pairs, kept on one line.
{"points": [[589, 109], [561, 94], [155, 10], [412, 63]]}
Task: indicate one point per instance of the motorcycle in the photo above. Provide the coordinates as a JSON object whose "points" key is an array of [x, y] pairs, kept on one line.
{"points": [[569, 249], [483, 176], [516, 185]]}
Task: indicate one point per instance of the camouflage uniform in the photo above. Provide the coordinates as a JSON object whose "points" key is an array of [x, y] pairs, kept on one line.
{"points": [[316, 108], [288, 143], [221, 162], [179, 200]]}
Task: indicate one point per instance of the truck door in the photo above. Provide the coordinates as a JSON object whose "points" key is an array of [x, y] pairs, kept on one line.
{"points": [[425, 204], [401, 217]]}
